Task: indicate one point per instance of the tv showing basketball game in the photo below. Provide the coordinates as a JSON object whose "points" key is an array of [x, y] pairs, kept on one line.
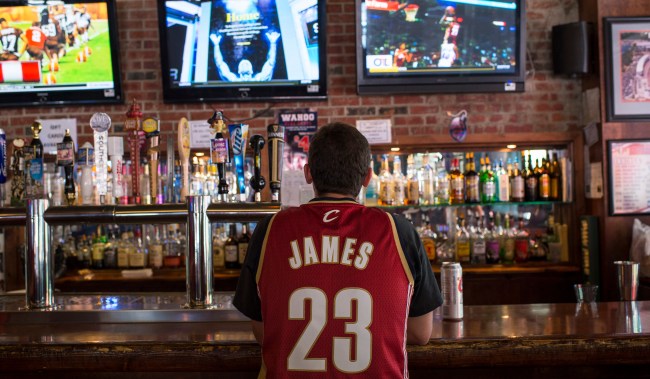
{"points": [[59, 52], [423, 46], [242, 50]]}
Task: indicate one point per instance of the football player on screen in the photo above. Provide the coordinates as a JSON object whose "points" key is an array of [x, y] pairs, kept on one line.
{"points": [[245, 67], [9, 37]]}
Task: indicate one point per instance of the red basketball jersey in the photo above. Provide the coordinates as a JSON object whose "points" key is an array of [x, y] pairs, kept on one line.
{"points": [[335, 290]]}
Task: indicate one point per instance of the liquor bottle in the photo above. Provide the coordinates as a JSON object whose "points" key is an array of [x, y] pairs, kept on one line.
{"points": [[181, 240], [399, 181], [442, 191], [110, 251], [412, 185], [517, 184], [555, 176], [172, 258], [145, 184], [371, 192], [503, 183], [522, 239], [242, 244], [492, 241], [456, 183], [58, 187], [507, 252], [544, 181], [98, 246], [488, 181], [123, 251], [477, 243], [471, 180], [218, 247], [425, 180], [462, 242], [445, 246], [177, 182], [531, 188], [84, 252], [231, 249], [428, 238], [156, 250], [386, 184], [137, 252], [211, 183], [196, 182]]}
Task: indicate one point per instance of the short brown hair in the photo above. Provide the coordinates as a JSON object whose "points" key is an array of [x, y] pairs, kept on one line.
{"points": [[339, 157]]}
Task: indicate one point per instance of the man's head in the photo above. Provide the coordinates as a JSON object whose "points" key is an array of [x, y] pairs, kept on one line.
{"points": [[3, 22], [339, 157], [245, 69]]}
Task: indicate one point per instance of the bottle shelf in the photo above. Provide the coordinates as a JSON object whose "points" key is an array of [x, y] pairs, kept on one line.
{"points": [[437, 206]]}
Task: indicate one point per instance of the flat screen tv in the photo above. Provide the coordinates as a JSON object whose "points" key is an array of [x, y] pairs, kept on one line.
{"points": [[242, 50], [431, 46], [59, 52]]}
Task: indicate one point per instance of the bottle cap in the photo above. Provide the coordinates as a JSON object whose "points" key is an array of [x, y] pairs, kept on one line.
{"points": [[115, 146]]}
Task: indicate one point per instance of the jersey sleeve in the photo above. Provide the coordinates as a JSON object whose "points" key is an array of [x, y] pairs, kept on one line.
{"points": [[247, 300], [426, 293]]}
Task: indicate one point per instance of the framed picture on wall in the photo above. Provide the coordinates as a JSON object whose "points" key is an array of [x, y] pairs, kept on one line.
{"points": [[629, 177], [627, 65]]}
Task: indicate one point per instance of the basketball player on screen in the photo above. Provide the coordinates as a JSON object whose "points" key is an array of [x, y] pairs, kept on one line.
{"points": [[245, 67], [9, 41], [448, 54], [336, 289], [450, 25]]}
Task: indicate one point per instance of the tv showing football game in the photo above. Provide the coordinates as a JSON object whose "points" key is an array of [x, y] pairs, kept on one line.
{"points": [[243, 50], [59, 52], [430, 46]]}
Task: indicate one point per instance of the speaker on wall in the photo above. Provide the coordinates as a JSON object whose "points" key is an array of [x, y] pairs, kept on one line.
{"points": [[573, 48]]}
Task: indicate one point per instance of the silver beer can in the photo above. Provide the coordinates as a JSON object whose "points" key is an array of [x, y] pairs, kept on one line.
{"points": [[451, 277]]}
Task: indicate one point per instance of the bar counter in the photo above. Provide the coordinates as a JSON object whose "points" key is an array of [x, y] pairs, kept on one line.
{"points": [[152, 335]]}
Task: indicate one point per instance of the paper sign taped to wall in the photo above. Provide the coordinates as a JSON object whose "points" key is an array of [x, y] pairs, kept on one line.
{"points": [[53, 132], [200, 135], [376, 131]]}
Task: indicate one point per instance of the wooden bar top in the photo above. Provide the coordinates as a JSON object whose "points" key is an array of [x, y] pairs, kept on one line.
{"points": [[585, 339]]}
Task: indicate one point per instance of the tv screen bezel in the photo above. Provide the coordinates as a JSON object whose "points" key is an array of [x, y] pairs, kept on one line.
{"points": [[443, 83], [239, 92], [74, 96]]}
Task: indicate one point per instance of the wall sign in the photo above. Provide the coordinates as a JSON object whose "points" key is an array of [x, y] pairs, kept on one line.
{"points": [[629, 177]]}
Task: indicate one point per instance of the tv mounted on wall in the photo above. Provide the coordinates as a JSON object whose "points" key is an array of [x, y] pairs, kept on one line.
{"points": [[244, 50], [59, 52], [432, 46]]}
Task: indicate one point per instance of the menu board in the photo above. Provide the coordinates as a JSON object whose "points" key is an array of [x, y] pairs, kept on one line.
{"points": [[629, 177]]}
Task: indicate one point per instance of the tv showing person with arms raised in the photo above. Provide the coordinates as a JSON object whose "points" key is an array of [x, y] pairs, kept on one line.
{"points": [[335, 288]]}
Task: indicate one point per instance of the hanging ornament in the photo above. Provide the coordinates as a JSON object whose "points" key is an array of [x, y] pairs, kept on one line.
{"points": [[458, 125]]}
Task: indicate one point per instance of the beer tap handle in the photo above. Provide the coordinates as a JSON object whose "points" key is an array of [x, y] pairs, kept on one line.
{"points": [[257, 181], [275, 136]]}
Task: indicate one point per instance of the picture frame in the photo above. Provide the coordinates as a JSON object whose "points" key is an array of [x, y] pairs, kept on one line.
{"points": [[628, 163], [627, 66]]}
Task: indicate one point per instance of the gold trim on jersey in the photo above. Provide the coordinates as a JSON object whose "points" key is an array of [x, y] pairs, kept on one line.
{"points": [[261, 262], [332, 202], [402, 257]]}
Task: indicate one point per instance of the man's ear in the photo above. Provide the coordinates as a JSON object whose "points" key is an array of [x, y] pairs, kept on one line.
{"points": [[307, 172], [368, 177]]}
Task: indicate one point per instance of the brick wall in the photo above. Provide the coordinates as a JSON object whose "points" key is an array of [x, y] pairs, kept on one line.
{"points": [[550, 104]]}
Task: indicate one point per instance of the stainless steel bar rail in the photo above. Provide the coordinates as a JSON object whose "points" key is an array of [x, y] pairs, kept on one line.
{"points": [[196, 213]]}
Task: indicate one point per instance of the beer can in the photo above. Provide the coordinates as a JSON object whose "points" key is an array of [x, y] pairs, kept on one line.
{"points": [[451, 276], [3, 157]]}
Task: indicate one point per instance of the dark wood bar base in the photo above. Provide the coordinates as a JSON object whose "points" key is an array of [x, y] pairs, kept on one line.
{"points": [[588, 340]]}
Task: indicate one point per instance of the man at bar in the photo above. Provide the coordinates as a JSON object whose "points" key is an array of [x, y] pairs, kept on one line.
{"points": [[334, 288]]}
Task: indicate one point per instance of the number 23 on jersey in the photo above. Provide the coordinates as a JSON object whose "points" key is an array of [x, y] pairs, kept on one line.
{"points": [[357, 333]]}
